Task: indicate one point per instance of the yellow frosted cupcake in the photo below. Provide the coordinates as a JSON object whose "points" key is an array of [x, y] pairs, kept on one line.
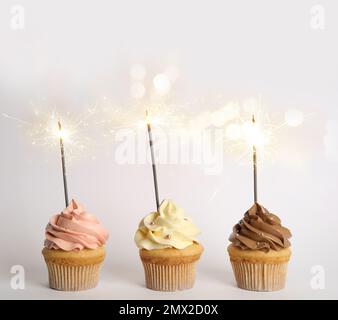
{"points": [[260, 251], [74, 249], [169, 249]]}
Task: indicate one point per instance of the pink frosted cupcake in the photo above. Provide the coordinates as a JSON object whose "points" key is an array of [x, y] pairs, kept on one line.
{"points": [[74, 249]]}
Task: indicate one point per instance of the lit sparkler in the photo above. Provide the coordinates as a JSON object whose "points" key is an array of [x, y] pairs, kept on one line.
{"points": [[151, 144], [63, 134], [257, 137], [47, 130], [254, 160]]}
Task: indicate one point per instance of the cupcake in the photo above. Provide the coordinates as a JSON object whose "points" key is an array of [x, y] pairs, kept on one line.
{"points": [[260, 250], [169, 250], [74, 249]]}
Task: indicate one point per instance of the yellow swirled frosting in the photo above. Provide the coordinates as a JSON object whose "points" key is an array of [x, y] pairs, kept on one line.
{"points": [[167, 228]]}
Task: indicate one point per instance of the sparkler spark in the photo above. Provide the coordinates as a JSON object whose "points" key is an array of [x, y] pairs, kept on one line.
{"points": [[255, 135], [7, 116], [177, 121], [155, 120], [63, 134], [151, 145], [241, 135], [185, 127], [46, 132], [43, 131]]}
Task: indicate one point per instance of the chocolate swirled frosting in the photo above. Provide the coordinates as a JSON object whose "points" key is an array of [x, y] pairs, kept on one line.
{"points": [[260, 230]]}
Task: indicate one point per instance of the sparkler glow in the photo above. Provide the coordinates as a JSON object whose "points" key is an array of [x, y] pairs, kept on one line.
{"points": [[257, 137], [242, 135], [190, 131], [47, 130], [62, 133], [44, 131]]}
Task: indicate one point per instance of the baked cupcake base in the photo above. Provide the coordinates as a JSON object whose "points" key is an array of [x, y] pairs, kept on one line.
{"points": [[170, 269], [73, 270], [259, 271]]}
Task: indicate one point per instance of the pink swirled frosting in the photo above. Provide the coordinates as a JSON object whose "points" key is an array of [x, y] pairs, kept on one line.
{"points": [[75, 229]]}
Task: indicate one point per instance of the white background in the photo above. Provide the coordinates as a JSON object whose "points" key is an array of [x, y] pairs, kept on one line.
{"points": [[72, 54]]}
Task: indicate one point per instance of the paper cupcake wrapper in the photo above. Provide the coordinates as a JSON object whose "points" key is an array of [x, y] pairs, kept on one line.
{"points": [[169, 277], [260, 276], [73, 278]]}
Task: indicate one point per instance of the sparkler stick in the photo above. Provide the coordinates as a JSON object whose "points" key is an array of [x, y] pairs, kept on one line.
{"points": [[153, 161], [254, 160], [63, 161]]}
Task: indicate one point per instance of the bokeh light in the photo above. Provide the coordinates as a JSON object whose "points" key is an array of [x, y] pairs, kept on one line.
{"points": [[294, 117], [331, 139], [233, 131], [172, 72], [162, 84], [138, 72], [137, 90]]}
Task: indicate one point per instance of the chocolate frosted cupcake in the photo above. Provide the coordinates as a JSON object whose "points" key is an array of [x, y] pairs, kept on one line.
{"points": [[169, 249], [260, 251], [74, 249]]}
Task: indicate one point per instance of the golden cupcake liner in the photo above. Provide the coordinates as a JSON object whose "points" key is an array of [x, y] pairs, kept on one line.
{"points": [[260, 276], [169, 277], [73, 278]]}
